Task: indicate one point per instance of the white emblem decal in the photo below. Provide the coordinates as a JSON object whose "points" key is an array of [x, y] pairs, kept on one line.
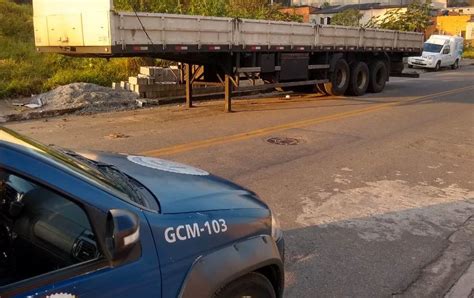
{"points": [[167, 166], [61, 295]]}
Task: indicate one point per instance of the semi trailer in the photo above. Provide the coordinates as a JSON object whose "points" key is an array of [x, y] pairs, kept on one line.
{"points": [[334, 60]]}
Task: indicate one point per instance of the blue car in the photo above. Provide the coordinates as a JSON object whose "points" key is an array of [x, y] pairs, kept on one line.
{"points": [[110, 225]]}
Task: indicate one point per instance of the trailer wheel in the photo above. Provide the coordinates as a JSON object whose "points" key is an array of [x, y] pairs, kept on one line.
{"points": [[359, 81], [378, 75], [338, 79]]}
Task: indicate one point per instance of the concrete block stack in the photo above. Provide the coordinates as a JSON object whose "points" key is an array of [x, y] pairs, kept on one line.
{"points": [[153, 82]]}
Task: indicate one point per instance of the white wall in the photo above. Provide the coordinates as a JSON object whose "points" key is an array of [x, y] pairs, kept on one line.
{"points": [[366, 17], [462, 10], [470, 31]]}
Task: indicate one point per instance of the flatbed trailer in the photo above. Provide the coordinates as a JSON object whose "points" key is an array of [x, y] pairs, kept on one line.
{"points": [[335, 60]]}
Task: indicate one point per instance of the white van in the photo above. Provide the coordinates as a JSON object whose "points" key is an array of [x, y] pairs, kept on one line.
{"points": [[439, 51]]}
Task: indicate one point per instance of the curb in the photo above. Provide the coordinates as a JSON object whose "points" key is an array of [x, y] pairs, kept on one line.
{"points": [[464, 287]]}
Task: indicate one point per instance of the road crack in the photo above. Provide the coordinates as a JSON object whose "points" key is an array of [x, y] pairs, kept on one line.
{"points": [[438, 276]]}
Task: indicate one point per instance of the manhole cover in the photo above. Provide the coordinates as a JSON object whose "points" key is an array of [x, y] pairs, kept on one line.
{"points": [[283, 141]]}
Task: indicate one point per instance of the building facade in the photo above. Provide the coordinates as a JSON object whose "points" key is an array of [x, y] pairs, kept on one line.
{"points": [[368, 11]]}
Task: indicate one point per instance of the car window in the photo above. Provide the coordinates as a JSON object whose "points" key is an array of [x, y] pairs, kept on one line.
{"points": [[40, 231]]}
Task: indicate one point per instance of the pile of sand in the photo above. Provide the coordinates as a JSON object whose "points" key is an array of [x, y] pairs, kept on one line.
{"points": [[87, 97]]}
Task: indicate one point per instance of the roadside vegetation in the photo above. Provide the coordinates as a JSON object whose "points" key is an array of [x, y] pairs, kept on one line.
{"points": [[348, 17], [24, 72], [468, 53], [251, 9], [416, 17]]}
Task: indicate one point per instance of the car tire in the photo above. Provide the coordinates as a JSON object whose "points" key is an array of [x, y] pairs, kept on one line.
{"points": [[455, 65], [251, 285], [410, 66], [438, 66], [359, 81], [378, 75], [338, 79]]}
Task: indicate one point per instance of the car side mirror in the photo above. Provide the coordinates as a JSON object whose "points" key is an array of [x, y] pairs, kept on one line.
{"points": [[122, 234]]}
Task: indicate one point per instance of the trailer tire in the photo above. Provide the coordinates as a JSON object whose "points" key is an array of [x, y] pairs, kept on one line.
{"points": [[338, 79], [378, 75], [359, 81]]}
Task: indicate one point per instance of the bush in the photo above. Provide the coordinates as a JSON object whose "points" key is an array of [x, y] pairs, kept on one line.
{"points": [[468, 53], [23, 71]]}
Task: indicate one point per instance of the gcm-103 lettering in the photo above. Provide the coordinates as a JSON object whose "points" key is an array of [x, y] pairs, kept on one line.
{"points": [[194, 230]]}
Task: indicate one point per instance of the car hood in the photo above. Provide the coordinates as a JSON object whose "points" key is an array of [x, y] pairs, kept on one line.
{"points": [[429, 54], [180, 188], [425, 55]]}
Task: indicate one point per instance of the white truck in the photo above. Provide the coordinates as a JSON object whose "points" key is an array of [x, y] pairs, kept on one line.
{"points": [[439, 51], [335, 60]]}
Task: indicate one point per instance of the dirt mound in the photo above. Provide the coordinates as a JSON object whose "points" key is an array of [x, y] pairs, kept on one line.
{"points": [[85, 96]]}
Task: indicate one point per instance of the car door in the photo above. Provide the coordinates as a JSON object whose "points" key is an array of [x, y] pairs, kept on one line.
{"points": [[62, 224], [447, 57]]}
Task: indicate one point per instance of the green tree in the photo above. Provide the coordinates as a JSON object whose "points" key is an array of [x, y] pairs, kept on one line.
{"points": [[216, 8], [162, 6], [325, 5], [348, 17], [416, 18], [250, 9]]}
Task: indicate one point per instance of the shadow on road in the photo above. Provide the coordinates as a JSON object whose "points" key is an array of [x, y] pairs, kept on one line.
{"points": [[373, 256]]}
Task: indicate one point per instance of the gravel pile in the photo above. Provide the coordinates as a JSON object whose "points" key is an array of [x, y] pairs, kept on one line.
{"points": [[86, 97]]}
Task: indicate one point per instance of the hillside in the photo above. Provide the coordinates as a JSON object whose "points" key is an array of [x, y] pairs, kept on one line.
{"points": [[23, 71]]}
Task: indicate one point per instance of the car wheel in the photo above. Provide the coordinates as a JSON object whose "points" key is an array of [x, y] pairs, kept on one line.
{"points": [[254, 285], [338, 79], [455, 65], [438, 66], [378, 75], [359, 81], [410, 66]]}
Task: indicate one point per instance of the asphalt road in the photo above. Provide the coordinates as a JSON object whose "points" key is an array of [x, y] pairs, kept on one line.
{"points": [[376, 198]]}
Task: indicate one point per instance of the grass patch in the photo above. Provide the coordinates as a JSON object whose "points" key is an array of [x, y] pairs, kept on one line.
{"points": [[468, 53], [23, 71]]}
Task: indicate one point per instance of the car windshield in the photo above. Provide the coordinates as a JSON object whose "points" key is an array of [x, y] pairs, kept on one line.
{"points": [[432, 48], [106, 175], [111, 175]]}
